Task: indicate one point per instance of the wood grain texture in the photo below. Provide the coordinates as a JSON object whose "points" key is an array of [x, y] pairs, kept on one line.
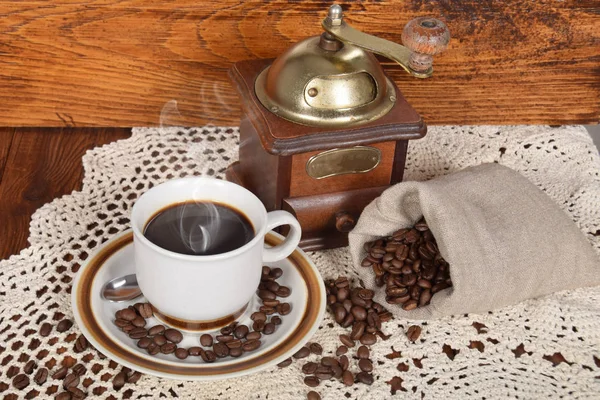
{"points": [[6, 135], [117, 62], [42, 164]]}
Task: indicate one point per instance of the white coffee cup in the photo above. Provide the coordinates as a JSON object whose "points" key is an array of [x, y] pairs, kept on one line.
{"points": [[203, 291]]}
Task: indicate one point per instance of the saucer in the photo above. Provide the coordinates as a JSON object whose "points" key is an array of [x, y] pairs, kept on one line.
{"points": [[95, 317]]}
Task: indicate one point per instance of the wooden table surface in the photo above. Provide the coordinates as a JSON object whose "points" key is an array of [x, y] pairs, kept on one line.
{"points": [[38, 165]]}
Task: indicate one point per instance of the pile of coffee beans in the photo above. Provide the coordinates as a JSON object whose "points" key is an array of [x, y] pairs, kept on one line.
{"points": [[354, 308], [339, 368], [351, 308], [410, 266], [233, 340]]}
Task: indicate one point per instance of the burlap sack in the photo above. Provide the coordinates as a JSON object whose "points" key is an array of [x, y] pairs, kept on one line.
{"points": [[505, 240]]}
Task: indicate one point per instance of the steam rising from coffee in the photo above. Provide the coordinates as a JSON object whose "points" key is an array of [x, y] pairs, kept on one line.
{"points": [[204, 228], [196, 227]]}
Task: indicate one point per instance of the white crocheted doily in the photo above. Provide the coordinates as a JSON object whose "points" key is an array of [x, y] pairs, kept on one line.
{"points": [[514, 356]]}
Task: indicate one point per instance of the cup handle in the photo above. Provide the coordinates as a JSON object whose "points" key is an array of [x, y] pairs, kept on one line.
{"points": [[281, 251]]}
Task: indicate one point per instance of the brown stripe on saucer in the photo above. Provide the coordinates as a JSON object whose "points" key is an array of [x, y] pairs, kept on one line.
{"points": [[196, 326], [84, 294]]}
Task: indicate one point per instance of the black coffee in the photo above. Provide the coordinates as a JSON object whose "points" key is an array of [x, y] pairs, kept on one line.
{"points": [[199, 228]]}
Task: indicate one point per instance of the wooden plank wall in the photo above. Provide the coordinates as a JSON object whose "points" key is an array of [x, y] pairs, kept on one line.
{"points": [[117, 62]]}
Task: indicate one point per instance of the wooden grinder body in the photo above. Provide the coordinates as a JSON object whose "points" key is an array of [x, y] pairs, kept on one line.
{"points": [[274, 153]]}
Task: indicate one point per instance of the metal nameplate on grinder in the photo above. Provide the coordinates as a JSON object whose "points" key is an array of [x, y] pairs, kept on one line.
{"points": [[353, 160]]}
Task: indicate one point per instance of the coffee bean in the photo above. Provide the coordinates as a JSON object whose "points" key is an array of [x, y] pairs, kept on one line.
{"points": [[269, 328], [271, 303], [360, 314], [236, 352], [173, 335], [337, 371], [60, 373], [45, 329], [122, 322], [312, 381], [137, 333], [240, 331], [64, 325], [347, 305], [29, 367], [348, 378], [276, 273], [134, 377], [341, 351], [76, 393], [365, 365], [20, 381], [368, 339], [181, 353], [364, 377], [127, 314], [324, 374], [128, 328], [143, 343], [221, 350], [168, 348], [71, 380], [234, 344], [329, 361], [209, 356], [266, 294], [224, 338], [284, 308], [258, 326], [227, 330], [258, 316], [312, 395], [343, 294], [145, 310], [206, 340], [81, 344], [251, 345], [40, 376], [357, 330], [194, 351], [316, 348], [267, 310], [283, 291], [253, 336], [139, 322], [79, 369], [424, 283], [410, 305], [346, 340], [119, 380], [339, 312], [309, 368], [159, 340], [302, 353], [153, 349], [265, 271], [349, 320], [285, 363], [63, 396], [344, 362], [363, 352], [276, 320], [156, 330], [413, 333]]}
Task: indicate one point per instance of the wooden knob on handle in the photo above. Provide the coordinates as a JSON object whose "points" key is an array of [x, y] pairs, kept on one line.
{"points": [[425, 37], [344, 222]]}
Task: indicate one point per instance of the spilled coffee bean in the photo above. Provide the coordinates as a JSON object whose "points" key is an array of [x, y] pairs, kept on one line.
{"points": [[413, 333], [408, 263]]}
